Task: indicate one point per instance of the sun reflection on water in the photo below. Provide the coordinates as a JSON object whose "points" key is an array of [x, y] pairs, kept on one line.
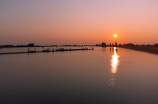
{"points": [[114, 61], [114, 65]]}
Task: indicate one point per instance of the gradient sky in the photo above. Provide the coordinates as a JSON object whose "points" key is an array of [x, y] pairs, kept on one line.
{"points": [[48, 22]]}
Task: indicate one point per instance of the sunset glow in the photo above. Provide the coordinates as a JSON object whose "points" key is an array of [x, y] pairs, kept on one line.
{"points": [[78, 21], [115, 35]]}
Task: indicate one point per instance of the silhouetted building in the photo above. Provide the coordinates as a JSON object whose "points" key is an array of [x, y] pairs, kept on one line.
{"points": [[103, 44], [31, 45], [115, 44]]}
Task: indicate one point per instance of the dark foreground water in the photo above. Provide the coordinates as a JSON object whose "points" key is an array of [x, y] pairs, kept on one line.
{"points": [[80, 77]]}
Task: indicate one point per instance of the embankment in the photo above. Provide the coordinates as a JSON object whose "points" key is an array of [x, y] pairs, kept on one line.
{"points": [[148, 49]]}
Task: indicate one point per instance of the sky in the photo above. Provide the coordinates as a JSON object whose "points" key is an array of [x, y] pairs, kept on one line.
{"points": [[61, 22]]}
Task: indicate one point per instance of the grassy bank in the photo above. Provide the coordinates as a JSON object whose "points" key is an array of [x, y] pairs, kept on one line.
{"points": [[148, 49]]}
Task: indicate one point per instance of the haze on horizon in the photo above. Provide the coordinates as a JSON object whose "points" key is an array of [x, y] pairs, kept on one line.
{"points": [[48, 22]]}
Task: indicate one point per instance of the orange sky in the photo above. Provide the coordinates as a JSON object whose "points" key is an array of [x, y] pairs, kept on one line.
{"points": [[48, 22]]}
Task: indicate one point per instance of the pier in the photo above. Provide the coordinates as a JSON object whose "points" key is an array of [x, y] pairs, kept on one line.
{"points": [[47, 50]]}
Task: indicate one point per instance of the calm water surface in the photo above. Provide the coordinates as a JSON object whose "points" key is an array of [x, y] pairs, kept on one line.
{"points": [[101, 76]]}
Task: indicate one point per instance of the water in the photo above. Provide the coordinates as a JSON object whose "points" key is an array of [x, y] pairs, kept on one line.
{"points": [[100, 76]]}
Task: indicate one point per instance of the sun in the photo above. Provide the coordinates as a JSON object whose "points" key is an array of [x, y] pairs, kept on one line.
{"points": [[115, 35]]}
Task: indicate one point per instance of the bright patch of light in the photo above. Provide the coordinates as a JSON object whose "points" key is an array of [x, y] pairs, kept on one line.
{"points": [[115, 35], [114, 61]]}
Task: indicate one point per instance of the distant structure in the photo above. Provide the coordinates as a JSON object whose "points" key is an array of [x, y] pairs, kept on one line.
{"points": [[31, 45], [110, 44], [96, 44], [115, 44], [103, 44]]}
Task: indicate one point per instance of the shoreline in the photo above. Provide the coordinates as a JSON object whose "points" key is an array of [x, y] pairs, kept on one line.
{"points": [[152, 49]]}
